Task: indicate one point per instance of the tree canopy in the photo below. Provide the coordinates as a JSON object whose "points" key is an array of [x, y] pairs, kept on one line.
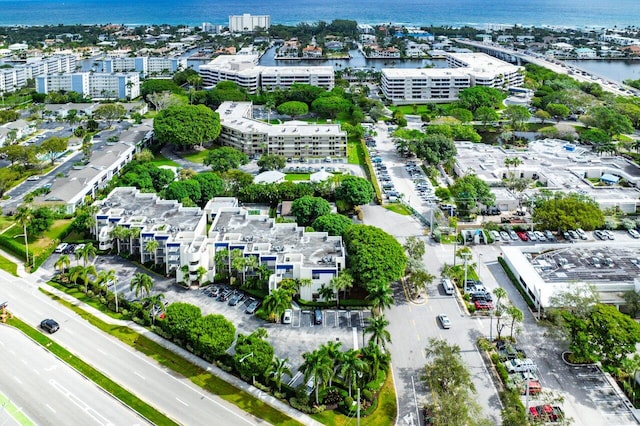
{"points": [[271, 162], [293, 108], [186, 126], [567, 211], [355, 191], [475, 97], [225, 158], [212, 335], [54, 147], [332, 223], [374, 255], [470, 190], [308, 208]]}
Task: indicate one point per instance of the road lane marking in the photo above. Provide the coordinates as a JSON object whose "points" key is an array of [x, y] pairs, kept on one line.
{"points": [[139, 375], [49, 407], [17, 379], [413, 322], [418, 337], [182, 402]]}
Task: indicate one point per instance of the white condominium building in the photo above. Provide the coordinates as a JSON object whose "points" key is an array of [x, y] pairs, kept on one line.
{"points": [[410, 86], [14, 78], [485, 70], [291, 139], [185, 245], [420, 85], [248, 23], [93, 85], [245, 71], [145, 65]]}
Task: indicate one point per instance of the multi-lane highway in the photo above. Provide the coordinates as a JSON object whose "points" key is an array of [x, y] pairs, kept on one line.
{"points": [[176, 396], [48, 391]]}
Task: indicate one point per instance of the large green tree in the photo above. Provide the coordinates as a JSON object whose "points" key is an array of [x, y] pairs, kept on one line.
{"points": [[225, 158], [293, 108], [186, 126], [331, 106], [109, 112], [308, 208], [517, 115], [374, 255], [607, 119], [54, 147], [253, 354], [567, 211], [212, 335], [332, 223], [470, 190], [354, 191], [180, 318], [271, 162], [475, 97]]}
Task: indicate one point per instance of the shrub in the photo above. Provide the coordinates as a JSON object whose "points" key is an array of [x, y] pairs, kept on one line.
{"points": [[366, 394]]}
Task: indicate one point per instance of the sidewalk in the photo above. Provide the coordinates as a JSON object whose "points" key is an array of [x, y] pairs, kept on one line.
{"points": [[240, 384]]}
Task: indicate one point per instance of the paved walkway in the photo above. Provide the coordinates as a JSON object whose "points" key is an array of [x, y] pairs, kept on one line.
{"points": [[257, 393]]}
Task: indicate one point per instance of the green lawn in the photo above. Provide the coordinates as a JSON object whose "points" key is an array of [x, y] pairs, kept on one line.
{"points": [[94, 375], [40, 244], [409, 110], [398, 208], [297, 176], [384, 415], [8, 266], [5, 222], [196, 157], [161, 160], [355, 153], [179, 365]]}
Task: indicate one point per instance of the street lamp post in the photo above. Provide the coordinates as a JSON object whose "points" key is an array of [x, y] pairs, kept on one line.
{"points": [[241, 360], [115, 291]]}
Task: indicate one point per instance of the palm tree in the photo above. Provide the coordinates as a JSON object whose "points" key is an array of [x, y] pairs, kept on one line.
{"points": [[250, 264], [155, 300], [200, 272], [352, 366], [279, 367], [378, 330], [24, 216], [83, 272], [630, 366], [375, 359], [516, 316], [86, 252], [275, 303], [500, 294], [141, 284], [333, 351], [62, 263], [316, 366], [133, 233], [107, 277], [381, 296], [236, 261], [326, 293], [344, 281], [150, 247]]}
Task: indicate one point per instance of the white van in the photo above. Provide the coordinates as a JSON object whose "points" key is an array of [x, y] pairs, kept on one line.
{"points": [[447, 286]]}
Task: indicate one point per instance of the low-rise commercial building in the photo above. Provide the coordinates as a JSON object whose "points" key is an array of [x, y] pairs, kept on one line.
{"points": [[290, 139]]}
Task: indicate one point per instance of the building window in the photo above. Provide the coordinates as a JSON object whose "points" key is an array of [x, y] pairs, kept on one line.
{"points": [[315, 276]]}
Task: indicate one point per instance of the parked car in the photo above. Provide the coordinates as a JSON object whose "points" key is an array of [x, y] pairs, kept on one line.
{"points": [[519, 365], [546, 411], [573, 234], [533, 413], [49, 325], [286, 317], [317, 317], [523, 236], [483, 305], [532, 236], [599, 234], [540, 236], [78, 248], [505, 235], [549, 235], [61, 247], [532, 387], [581, 234], [495, 235], [235, 299], [253, 307], [609, 234], [444, 321], [513, 235], [633, 233]]}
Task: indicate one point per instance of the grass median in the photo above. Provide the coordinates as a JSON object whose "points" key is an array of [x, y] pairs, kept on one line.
{"points": [[94, 375], [8, 266], [175, 362]]}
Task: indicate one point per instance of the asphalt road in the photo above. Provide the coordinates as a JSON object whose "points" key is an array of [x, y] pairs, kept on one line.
{"points": [[174, 395], [48, 391]]}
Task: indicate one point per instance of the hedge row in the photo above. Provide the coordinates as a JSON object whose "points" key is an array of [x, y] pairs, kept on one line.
{"points": [[370, 172], [11, 246]]}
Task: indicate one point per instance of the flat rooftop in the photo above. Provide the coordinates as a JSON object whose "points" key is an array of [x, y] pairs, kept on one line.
{"points": [[147, 210], [560, 165], [261, 235], [425, 73]]}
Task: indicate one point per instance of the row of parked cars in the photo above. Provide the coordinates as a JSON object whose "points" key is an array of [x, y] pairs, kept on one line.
{"points": [[68, 248], [421, 182], [223, 293], [382, 174]]}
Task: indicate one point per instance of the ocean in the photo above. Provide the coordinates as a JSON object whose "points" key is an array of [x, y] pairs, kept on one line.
{"points": [[566, 13]]}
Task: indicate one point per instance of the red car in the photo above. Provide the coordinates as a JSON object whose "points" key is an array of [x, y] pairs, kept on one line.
{"points": [[483, 305], [533, 412], [547, 412], [523, 235]]}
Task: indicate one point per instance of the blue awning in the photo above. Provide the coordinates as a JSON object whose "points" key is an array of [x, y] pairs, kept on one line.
{"points": [[609, 178]]}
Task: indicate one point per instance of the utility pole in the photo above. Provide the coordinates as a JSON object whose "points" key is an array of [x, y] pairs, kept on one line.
{"points": [[358, 408]]}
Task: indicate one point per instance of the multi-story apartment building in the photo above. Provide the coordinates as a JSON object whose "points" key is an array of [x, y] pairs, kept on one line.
{"points": [[245, 71], [185, 245], [93, 85], [11, 79], [292, 139], [248, 23], [14, 78], [419, 85], [145, 65]]}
